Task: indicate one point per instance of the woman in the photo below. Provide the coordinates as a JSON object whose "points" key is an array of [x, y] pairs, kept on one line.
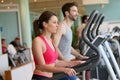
{"points": [[45, 53]]}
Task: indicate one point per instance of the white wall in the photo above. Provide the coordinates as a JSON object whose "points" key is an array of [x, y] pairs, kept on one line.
{"points": [[108, 26], [3, 64]]}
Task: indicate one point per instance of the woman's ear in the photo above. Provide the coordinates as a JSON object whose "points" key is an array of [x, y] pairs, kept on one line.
{"points": [[44, 24]]}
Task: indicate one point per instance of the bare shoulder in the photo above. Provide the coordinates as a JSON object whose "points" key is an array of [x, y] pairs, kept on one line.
{"points": [[37, 41], [38, 44], [61, 28]]}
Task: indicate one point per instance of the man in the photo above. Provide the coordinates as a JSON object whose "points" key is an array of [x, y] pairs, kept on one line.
{"points": [[63, 36], [84, 21], [17, 45]]}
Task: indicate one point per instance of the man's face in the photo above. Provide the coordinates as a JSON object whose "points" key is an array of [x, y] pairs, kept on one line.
{"points": [[73, 14], [17, 41]]}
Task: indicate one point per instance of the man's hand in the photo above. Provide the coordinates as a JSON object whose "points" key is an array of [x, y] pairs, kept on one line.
{"points": [[81, 57]]}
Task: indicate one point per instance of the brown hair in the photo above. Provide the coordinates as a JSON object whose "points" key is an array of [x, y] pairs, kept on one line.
{"points": [[67, 6], [83, 18], [44, 17]]}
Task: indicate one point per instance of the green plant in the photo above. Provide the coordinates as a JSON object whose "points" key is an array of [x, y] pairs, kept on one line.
{"points": [[75, 38]]}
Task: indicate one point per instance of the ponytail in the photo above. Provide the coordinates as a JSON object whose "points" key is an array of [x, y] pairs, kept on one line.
{"points": [[36, 28], [38, 24]]}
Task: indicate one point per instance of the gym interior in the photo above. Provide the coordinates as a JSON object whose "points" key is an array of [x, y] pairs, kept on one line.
{"points": [[102, 40]]}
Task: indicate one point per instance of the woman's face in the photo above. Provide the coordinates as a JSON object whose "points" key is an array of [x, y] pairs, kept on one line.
{"points": [[52, 24]]}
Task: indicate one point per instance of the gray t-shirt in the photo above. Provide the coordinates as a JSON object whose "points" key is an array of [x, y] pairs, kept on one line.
{"points": [[65, 43]]}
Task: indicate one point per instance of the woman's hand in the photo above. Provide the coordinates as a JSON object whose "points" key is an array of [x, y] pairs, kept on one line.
{"points": [[74, 63], [68, 64], [70, 71]]}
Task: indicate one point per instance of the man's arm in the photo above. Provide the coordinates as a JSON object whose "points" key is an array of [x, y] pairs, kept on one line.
{"points": [[60, 57], [77, 54], [56, 40]]}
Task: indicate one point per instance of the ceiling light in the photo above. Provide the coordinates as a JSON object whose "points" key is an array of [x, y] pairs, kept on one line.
{"points": [[8, 7], [44, 8], [2, 1], [35, 0]]}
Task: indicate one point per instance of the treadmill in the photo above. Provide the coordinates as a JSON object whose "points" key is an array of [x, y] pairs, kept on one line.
{"points": [[113, 73]]}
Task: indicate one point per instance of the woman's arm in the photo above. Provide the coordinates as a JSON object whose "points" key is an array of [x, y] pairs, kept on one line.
{"points": [[67, 64], [38, 48]]}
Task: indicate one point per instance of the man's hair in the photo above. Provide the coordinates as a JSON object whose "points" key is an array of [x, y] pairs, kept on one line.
{"points": [[67, 6], [3, 39], [17, 38], [84, 17]]}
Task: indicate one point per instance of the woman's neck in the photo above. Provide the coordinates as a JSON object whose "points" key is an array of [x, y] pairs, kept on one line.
{"points": [[47, 35]]}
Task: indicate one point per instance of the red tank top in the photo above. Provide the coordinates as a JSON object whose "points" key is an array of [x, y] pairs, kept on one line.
{"points": [[50, 56]]}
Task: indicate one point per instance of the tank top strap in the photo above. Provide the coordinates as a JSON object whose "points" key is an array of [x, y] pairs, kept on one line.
{"points": [[43, 39]]}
